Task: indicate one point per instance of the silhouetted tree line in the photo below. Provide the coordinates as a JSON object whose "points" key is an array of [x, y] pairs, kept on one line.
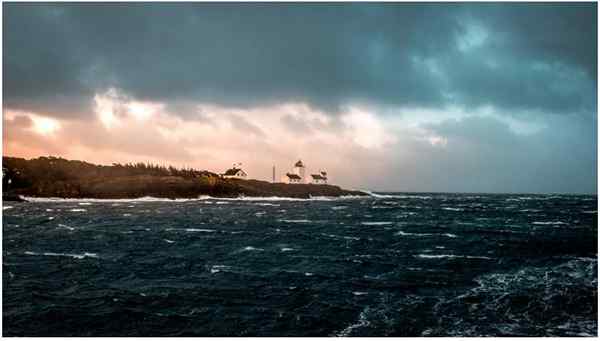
{"points": [[18, 172]]}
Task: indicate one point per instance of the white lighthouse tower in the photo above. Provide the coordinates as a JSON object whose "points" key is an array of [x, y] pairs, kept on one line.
{"points": [[299, 170]]}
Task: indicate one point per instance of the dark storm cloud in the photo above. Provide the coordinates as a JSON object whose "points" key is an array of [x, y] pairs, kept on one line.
{"points": [[483, 154], [57, 56]]}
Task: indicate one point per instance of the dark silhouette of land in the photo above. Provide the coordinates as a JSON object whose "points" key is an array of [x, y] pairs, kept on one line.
{"points": [[58, 177]]}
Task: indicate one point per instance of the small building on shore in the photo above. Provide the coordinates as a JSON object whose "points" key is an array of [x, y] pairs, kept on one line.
{"points": [[320, 178], [297, 174], [291, 178], [299, 169], [235, 172]]}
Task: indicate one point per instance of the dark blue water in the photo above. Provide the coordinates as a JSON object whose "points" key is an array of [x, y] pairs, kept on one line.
{"points": [[406, 265]]}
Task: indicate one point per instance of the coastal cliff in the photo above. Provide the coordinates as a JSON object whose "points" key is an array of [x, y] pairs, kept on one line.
{"points": [[58, 177]]}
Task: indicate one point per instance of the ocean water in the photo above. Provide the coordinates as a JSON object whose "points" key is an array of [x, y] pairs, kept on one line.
{"points": [[390, 265]]}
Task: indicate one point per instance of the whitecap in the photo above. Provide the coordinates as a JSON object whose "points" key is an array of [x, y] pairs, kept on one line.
{"points": [[359, 293], [376, 223], [396, 196], [549, 223], [199, 230], [450, 256], [72, 255], [66, 227], [362, 322], [295, 220], [287, 249], [132, 200], [335, 208], [311, 198], [410, 234], [308, 274], [126, 214], [78, 210], [252, 248], [452, 209], [340, 237], [6, 207], [169, 241], [219, 268], [85, 204]]}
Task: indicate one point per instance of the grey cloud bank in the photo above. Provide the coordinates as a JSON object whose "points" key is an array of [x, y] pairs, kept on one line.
{"points": [[534, 62], [535, 56]]}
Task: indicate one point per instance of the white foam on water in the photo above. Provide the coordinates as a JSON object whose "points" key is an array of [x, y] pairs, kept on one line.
{"points": [[376, 223], [362, 322], [85, 204], [66, 227], [295, 220], [396, 196], [453, 209], [221, 203], [78, 210], [340, 237], [275, 198], [267, 204], [91, 200], [126, 214], [450, 256], [199, 230], [589, 212], [410, 234], [6, 207], [308, 274], [49, 210], [549, 223], [169, 241], [359, 293], [252, 248], [335, 208], [287, 249], [218, 268], [72, 255]]}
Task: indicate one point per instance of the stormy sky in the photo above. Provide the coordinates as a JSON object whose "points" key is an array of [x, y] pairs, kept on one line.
{"points": [[472, 97]]}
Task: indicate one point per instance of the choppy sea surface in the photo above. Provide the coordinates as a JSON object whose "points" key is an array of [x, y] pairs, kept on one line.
{"points": [[388, 265]]}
